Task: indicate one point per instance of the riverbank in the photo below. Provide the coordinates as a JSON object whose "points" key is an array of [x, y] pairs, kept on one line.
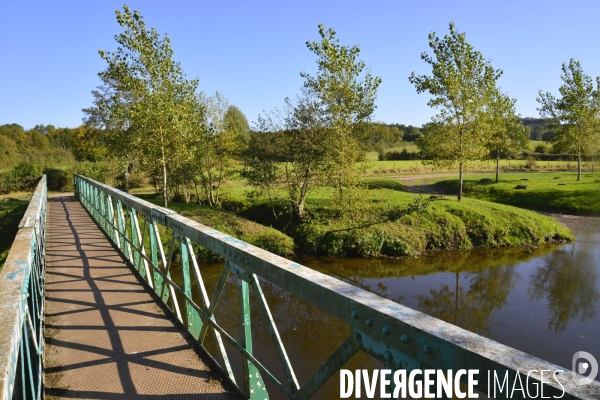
{"points": [[391, 222]]}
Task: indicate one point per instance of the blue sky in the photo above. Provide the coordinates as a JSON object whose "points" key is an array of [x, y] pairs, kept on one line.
{"points": [[253, 51]]}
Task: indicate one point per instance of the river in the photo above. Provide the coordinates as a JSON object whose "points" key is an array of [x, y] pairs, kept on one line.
{"points": [[541, 301]]}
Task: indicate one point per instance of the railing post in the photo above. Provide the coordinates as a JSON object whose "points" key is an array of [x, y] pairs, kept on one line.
{"points": [[194, 323], [254, 387]]}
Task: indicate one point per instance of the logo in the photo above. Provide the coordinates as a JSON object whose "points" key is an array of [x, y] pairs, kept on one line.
{"points": [[583, 367]]}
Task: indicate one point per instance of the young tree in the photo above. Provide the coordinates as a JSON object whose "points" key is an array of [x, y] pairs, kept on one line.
{"points": [[218, 134], [153, 119], [345, 94], [112, 127], [507, 133], [575, 116], [462, 85]]}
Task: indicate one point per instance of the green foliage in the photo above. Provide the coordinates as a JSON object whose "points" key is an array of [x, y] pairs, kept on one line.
{"points": [[346, 96], [59, 180], [317, 139], [424, 225], [227, 222], [536, 129], [22, 177], [210, 154], [11, 213], [18, 146], [575, 117], [404, 154], [462, 86], [151, 107]]}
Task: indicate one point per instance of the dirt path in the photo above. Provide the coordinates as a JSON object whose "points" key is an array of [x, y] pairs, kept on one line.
{"points": [[577, 223]]}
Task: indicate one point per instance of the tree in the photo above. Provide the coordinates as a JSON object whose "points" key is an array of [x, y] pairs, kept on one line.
{"points": [[237, 121], [317, 139], [152, 101], [507, 133], [346, 98], [43, 129], [86, 144], [575, 116], [217, 138], [462, 84], [112, 130]]}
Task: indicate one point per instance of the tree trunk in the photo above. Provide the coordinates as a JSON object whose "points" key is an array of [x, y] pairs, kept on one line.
{"points": [[461, 181], [164, 188], [301, 207], [497, 166], [579, 166], [126, 179]]}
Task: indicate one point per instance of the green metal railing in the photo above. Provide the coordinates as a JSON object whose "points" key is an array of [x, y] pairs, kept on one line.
{"points": [[398, 336], [22, 305]]}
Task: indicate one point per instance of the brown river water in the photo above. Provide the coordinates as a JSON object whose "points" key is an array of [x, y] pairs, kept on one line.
{"points": [[544, 302]]}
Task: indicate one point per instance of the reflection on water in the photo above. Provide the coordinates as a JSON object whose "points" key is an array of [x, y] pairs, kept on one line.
{"points": [[542, 302]]}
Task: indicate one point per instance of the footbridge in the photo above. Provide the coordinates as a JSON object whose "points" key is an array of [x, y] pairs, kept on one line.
{"points": [[102, 297]]}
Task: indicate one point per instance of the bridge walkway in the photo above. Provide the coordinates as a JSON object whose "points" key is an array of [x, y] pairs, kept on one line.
{"points": [[106, 337]]}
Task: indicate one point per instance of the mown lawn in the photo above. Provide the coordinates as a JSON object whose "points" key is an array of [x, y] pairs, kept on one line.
{"points": [[558, 192]]}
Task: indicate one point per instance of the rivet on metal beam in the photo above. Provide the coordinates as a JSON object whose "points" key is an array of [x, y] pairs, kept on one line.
{"points": [[247, 262], [369, 322], [354, 314], [427, 349], [357, 335], [388, 356], [404, 339], [386, 330]]}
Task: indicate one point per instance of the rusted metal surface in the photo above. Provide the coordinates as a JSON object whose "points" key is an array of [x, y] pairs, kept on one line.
{"points": [[21, 305], [400, 337], [106, 336]]}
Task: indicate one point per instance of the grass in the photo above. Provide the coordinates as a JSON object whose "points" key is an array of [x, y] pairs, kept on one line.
{"points": [[365, 228], [411, 147], [12, 208], [232, 224], [558, 192], [411, 167]]}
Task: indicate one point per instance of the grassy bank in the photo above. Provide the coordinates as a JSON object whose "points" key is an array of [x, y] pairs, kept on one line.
{"points": [[232, 224], [552, 192], [377, 225], [366, 229], [11, 211]]}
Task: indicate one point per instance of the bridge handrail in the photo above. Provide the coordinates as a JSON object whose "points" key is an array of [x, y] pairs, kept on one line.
{"points": [[400, 337], [22, 305]]}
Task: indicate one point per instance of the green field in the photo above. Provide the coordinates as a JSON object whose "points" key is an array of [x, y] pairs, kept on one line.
{"points": [[552, 192], [379, 168]]}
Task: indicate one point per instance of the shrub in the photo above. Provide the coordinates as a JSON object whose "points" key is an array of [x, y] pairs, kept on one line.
{"points": [[23, 176], [401, 155], [58, 179], [273, 241]]}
